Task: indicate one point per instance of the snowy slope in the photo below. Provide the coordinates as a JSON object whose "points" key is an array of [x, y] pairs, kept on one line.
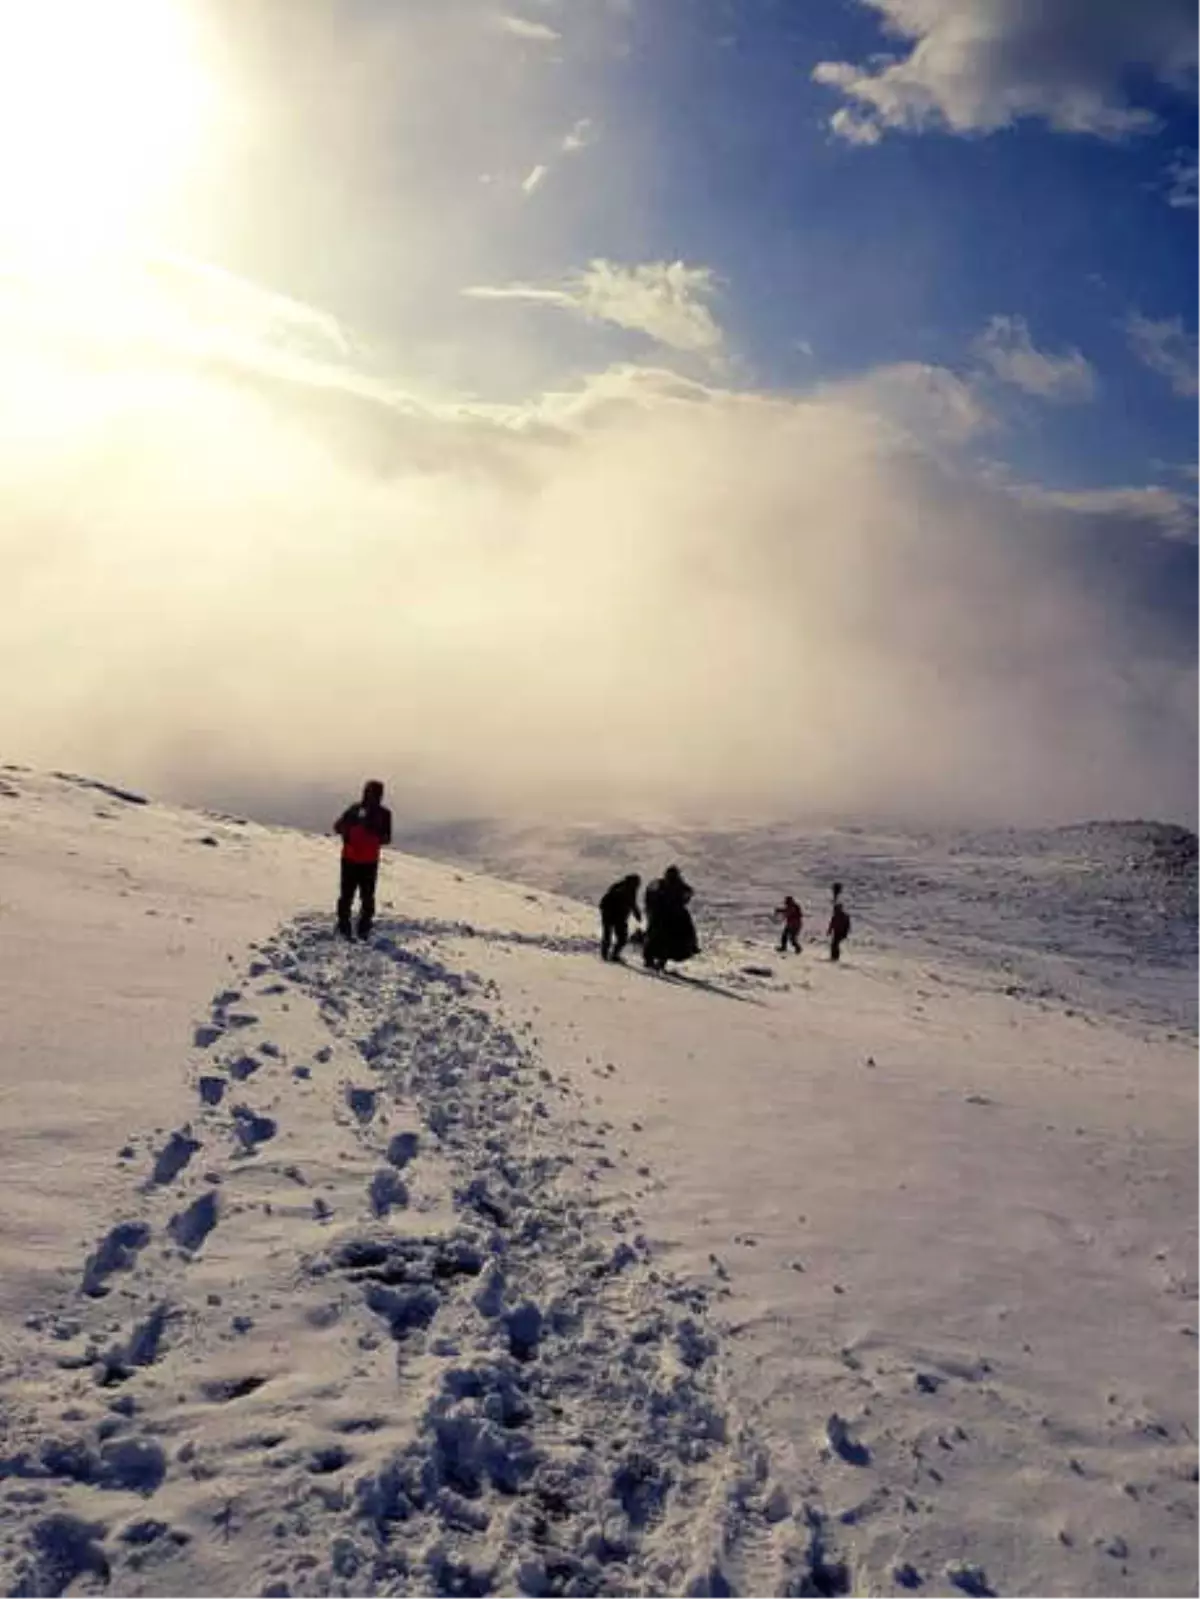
{"points": [[465, 1263], [1101, 915]]}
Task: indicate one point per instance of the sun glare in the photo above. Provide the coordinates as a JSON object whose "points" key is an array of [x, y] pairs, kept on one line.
{"points": [[103, 109]]}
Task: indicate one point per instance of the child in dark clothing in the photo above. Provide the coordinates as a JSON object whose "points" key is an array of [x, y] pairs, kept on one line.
{"points": [[839, 925]]}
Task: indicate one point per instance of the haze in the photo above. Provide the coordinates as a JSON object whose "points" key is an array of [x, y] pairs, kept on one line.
{"points": [[251, 555]]}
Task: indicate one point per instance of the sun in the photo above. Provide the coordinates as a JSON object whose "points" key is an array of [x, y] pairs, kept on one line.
{"points": [[104, 108]]}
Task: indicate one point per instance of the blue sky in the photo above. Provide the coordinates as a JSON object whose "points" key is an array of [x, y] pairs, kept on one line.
{"points": [[904, 249], [709, 141]]}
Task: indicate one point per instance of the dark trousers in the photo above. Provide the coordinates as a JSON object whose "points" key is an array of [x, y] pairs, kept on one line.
{"points": [[358, 877], [790, 935], [835, 947], [614, 935]]}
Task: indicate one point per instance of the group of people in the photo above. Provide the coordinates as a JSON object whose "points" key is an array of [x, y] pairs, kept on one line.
{"points": [[669, 933], [792, 917]]}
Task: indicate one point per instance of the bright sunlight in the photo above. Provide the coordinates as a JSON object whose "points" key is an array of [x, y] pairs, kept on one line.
{"points": [[103, 108]]}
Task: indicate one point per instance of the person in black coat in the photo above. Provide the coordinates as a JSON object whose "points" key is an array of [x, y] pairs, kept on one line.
{"points": [[670, 931], [617, 905]]}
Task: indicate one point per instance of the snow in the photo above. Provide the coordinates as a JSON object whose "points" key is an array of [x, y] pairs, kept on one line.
{"points": [[464, 1262]]}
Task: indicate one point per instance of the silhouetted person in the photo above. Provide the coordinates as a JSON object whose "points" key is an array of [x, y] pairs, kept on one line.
{"points": [[364, 828], [670, 931], [617, 905], [793, 921], [839, 925]]}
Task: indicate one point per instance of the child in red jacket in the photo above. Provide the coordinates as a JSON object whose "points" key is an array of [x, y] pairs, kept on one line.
{"points": [[793, 921]]}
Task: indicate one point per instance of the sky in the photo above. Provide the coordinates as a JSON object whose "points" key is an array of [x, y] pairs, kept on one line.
{"points": [[731, 406]]}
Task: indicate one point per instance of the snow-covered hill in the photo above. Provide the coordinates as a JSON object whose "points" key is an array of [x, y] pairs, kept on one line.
{"points": [[466, 1263]]}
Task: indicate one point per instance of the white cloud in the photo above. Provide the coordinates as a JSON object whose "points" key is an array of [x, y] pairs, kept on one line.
{"points": [[666, 300], [523, 28], [975, 66], [1007, 348], [579, 137], [815, 583], [582, 134], [1148, 506], [918, 401], [645, 589], [1167, 348], [1183, 173]]}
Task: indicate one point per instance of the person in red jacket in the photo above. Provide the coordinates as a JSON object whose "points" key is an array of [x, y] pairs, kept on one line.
{"points": [[793, 921], [364, 828]]}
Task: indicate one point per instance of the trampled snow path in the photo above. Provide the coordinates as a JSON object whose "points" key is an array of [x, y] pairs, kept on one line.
{"points": [[367, 1324]]}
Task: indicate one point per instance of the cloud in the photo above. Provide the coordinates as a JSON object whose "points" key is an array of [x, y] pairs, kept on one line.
{"points": [[1183, 173], [1167, 348], [580, 136], [523, 28], [975, 66], [1007, 348], [1148, 507], [919, 401], [641, 590], [665, 300]]}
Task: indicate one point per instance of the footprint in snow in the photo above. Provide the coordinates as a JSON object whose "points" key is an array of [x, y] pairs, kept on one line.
{"points": [[190, 1227], [212, 1090], [252, 1129], [117, 1251], [64, 1548], [173, 1157], [387, 1192], [244, 1066], [361, 1101], [401, 1149], [146, 1338], [843, 1444], [222, 1390], [204, 1037], [970, 1579]]}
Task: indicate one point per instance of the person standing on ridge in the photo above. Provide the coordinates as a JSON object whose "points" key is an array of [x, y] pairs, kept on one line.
{"points": [[793, 921], [363, 828], [618, 904], [839, 925]]}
